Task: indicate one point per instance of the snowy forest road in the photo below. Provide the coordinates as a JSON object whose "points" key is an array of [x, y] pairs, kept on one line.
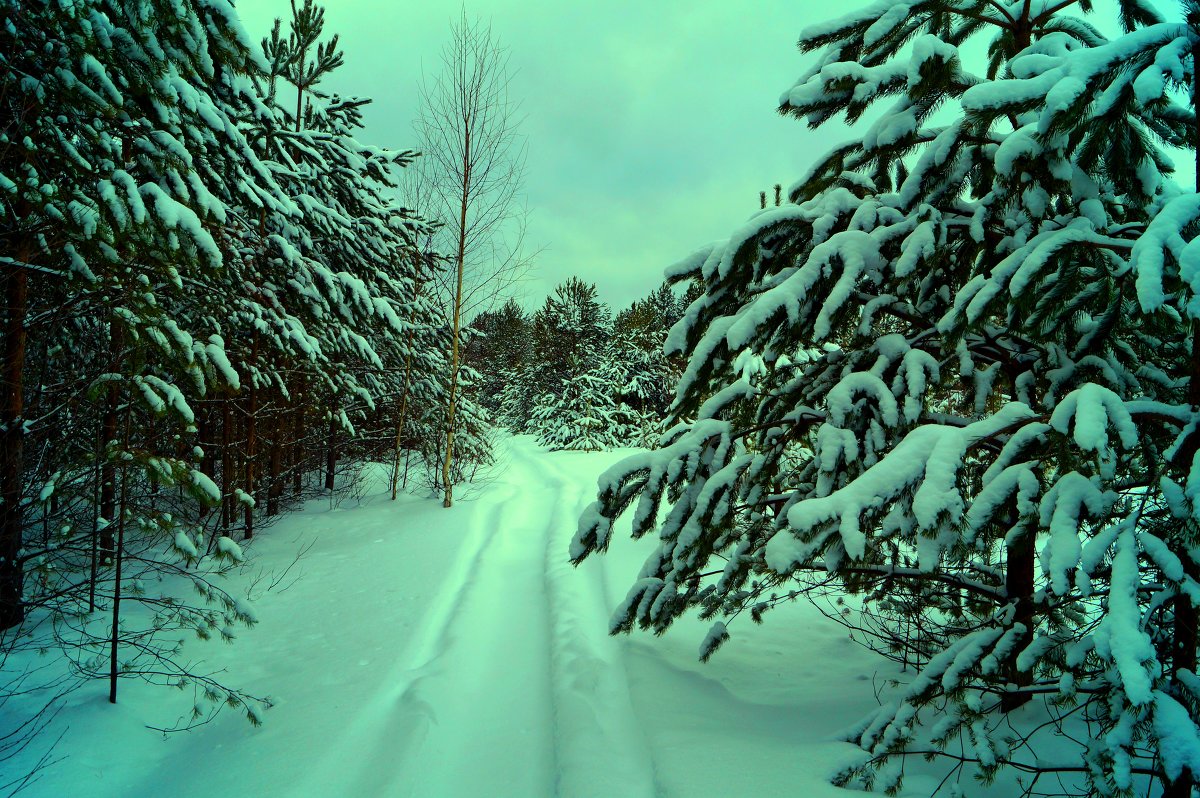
{"points": [[440, 653], [510, 686]]}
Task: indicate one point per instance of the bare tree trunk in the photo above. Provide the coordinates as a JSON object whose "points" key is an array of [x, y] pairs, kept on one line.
{"points": [[108, 435], [251, 440], [1187, 620], [298, 439], [93, 571], [12, 440], [456, 335], [400, 420], [331, 451], [451, 408], [152, 444], [204, 429], [474, 170], [1019, 584], [275, 465], [114, 668], [226, 462], [404, 398]]}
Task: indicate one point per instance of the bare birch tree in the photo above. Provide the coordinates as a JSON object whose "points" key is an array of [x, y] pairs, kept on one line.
{"points": [[470, 179]]}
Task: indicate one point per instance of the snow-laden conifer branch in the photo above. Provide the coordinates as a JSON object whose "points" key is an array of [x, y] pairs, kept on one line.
{"points": [[951, 380]]}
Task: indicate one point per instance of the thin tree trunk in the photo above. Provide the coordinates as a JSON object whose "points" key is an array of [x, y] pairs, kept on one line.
{"points": [[152, 445], [275, 465], [12, 441], [226, 462], [451, 405], [400, 420], [1184, 637], [204, 432], [404, 393], [251, 440], [331, 451], [300, 87], [114, 668], [1019, 584], [95, 552], [108, 434], [298, 440]]}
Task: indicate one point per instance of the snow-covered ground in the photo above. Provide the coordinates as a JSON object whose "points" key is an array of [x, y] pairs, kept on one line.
{"points": [[432, 652]]}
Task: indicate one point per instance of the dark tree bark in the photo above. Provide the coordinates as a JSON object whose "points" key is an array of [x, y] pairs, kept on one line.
{"points": [[204, 433], [12, 439], [275, 465], [298, 440], [331, 457], [108, 434], [226, 462], [114, 665], [1019, 584], [1184, 639], [251, 455]]}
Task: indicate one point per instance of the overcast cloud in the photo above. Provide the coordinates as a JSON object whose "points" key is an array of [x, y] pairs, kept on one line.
{"points": [[651, 125]]}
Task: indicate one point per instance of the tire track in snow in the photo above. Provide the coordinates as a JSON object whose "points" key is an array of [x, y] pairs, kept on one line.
{"points": [[378, 754], [511, 686], [483, 686], [602, 750], [431, 643]]}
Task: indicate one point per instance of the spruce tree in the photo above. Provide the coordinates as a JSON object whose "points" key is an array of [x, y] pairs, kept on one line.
{"points": [[523, 387], [499, 345], [116, 224], [951, 375], [569, 331], [583, 417], [198, 263], [637, 364]]}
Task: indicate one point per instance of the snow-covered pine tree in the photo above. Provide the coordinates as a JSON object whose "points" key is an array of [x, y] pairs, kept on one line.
{"points": [[636, 363], [113, 226], [636, 380], [358, 259], [569, 331], [570, 335], [181, 278], [500, 345], [927, 376], [583, 417], [517, 398]]}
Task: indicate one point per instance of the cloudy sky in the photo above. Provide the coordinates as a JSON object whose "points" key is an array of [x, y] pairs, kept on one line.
{"points": [[651, 125]]}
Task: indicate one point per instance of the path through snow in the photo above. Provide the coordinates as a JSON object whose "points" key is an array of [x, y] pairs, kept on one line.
{"points": [[431, 652]]}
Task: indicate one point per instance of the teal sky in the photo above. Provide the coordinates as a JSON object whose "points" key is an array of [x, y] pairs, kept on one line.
{"points": [[651, 125]]}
